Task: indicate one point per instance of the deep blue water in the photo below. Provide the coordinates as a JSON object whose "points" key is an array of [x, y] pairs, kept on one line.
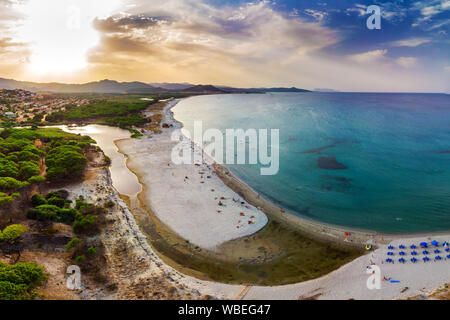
{"points": [[395, 148]]}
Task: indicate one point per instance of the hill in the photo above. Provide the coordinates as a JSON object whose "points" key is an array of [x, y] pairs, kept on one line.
{"points": [[104, 86]]}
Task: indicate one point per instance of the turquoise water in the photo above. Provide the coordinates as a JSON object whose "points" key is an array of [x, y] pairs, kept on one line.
{"points": [[370, 161]]}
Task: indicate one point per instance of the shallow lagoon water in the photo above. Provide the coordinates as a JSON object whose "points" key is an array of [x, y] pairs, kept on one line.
{"points": [[370, 161], [124, 181]]}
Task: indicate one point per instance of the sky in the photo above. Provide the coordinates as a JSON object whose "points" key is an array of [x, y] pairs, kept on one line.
{"points": [[302, 43]]}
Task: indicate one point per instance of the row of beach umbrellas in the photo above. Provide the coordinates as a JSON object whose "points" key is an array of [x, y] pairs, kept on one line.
{"points": [[414, 260], [415, 253], [422, 245]]}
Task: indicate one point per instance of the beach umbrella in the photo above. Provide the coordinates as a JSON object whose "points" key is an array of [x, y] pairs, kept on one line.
{"points": [[425, 252], [390, 253], [414, 253], [435, 243], [402, 246], [413, 247], [402, 253], [413, 260], [401, 260], [448, 249], [437, 251], [448, 257], [426, 259], [389, 260], [445, 244], [438, 258], [424, 245], [391, 247]]}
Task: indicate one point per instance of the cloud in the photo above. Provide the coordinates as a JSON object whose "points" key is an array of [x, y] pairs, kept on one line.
{"points": [[406, 62], [411, 42], [359, 9], [370, 56], [124, 24], [318, 15], [431, 10]]}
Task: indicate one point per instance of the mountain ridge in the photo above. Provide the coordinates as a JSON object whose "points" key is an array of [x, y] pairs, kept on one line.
{"points": [[113, 86]]}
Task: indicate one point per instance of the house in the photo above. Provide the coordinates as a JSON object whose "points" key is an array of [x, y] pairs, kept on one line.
{"points": [[10, 115]]}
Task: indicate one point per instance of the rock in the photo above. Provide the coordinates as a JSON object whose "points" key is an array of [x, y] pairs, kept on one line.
{"points": [[330, 163]]}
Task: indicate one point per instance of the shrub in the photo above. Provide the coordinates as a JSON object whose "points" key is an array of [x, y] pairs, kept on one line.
{"points": [[73, 243], [18, 282], [11, 233], [36, 179], [63, 194], [7, 183], [52, 213], [82, 223], [80, 258], [92, 250], [38, 200], [55, 201]]}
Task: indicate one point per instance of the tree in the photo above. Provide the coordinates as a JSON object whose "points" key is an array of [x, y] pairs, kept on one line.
{"points": [[28, 169], [11, 233], [65, 162], [7, 183]]}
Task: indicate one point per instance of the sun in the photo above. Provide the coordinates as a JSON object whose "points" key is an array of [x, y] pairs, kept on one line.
{"points": [[60, 32]]}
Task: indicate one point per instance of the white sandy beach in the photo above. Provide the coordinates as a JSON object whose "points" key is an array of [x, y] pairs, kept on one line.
{"points": [[186, 197]]}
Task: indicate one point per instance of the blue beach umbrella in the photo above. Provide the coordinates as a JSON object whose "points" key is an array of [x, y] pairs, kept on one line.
{"points": [[445, 244], [413, 247], [426, 259], [402, 253], [448, 257], [438, 258], [437, 251], [390, 253], [414, 253], [413, 260], [389, 260], [424, 245], [425, 252], [401, 260], [391, 247], [435, 243], [448, 249], [402, 246]]}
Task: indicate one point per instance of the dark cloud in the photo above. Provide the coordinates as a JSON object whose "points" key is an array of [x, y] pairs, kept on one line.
{"points": [[124, 24]]}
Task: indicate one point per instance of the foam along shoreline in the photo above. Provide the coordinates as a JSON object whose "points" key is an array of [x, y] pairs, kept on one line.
{"points": [[190, 199]]}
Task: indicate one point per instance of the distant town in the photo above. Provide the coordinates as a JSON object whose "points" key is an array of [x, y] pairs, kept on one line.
{"points": [[24, 106]]}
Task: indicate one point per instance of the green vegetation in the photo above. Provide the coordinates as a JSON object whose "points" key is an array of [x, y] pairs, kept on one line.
{"points": [[81, 258], [55, 207], [11, 233], [65, 162], [73, 243], [19, 282], [23, 151], [120, 112]]}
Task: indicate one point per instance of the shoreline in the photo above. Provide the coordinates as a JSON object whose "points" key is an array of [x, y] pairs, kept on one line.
{"points": [[318, 229]]}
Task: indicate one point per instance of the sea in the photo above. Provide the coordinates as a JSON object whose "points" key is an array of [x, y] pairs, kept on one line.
{"points": [[370, 161]]}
